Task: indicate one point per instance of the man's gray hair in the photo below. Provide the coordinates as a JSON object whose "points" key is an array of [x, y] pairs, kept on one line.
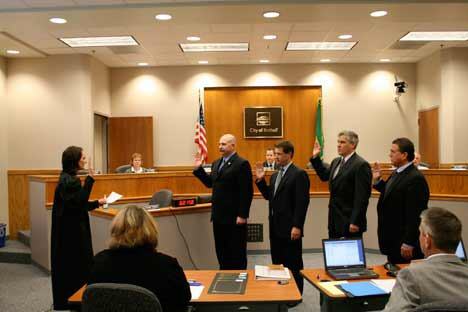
{"points": [[351, 137], [443, 226]]}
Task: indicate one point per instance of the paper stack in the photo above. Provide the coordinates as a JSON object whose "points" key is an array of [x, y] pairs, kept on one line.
{"points": [[272, 273]]}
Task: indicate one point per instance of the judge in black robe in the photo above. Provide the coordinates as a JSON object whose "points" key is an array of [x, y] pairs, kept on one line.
{"points": [[71, 246]]}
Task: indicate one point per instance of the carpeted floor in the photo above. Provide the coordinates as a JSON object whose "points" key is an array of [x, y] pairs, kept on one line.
{"points": [[24, 287]]}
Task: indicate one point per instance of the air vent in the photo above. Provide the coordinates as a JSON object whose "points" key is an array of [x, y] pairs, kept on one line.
{"points": [[408, 45]]}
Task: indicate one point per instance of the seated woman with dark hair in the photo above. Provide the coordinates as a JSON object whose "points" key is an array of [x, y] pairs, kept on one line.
{"points": [[132, 258]]}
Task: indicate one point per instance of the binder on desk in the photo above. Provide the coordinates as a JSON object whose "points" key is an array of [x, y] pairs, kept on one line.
{"points": [[361, 289]]}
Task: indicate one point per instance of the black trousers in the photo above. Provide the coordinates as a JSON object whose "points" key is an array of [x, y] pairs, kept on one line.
{"points": [[394, 255], [288, 253], [231, 246], [332, 233]]}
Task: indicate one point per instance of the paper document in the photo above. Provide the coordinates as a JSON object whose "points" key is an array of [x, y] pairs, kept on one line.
{"points": [[113, 197], [331, 288], [263, 272], [196, 291], [384, 284]]}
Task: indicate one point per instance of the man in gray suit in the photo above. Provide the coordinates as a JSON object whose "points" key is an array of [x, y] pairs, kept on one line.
{"points": [[442, 276]]}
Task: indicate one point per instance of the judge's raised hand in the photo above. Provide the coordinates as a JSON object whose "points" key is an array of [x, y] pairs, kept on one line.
{"points": [[198, 160], [317, 149], [376, 172], [259, 171]]}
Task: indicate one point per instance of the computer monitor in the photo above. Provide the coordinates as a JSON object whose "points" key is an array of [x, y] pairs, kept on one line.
{"points": [[343, 253], [461, 253]]}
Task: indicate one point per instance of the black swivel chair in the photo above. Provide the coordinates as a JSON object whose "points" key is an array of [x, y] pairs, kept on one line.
{"points": [[107, 297], [163, 198], [122, 169]]}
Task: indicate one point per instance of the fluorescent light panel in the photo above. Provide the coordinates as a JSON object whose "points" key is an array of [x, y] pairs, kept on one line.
{"points": [[99, 41], [214, 47], [436, 36], [304, 46]]}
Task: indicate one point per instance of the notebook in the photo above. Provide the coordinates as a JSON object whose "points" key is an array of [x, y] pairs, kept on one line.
{"points": [[345, 259], [461, 253]]}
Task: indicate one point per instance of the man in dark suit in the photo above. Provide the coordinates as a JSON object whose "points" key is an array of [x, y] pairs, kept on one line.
{"points": [[349, 180], [231, 180], [403, 196], [288, 196], [270, 163]]}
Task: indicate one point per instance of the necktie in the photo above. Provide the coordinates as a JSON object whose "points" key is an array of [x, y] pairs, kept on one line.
{"points": [[338, 167], [221, 165], [390, 180], [278, 179]]}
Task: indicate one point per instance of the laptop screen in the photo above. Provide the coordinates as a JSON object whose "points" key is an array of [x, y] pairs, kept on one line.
{"points": [[461, 251], [343, 253]]}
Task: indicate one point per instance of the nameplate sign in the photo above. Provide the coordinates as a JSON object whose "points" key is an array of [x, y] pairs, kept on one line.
{"points": [[263, 122]]}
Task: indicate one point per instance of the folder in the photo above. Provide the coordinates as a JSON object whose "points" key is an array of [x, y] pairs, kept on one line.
{"points": [[361, 289]]}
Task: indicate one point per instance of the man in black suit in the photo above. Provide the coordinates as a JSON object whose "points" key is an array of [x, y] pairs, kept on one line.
{"points": [[288, 196], [349, 180], [269, 163], [403, 196], [231, 180]]}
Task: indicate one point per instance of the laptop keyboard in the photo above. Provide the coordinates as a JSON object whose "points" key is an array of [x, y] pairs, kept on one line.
{"points": [[352, 270]]}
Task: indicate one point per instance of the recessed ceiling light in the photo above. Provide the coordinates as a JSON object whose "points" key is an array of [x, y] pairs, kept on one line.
{"points": [[271, 14], [378, 13], [57, 20], [301, 46], [202, 62], [163, 17], [325, 60], [143, 64], [100, 41], [436, 36], [264, 61], [345, 36], [214, 47], [12, 52], [385, 60], [269, 37], [193, 38]]}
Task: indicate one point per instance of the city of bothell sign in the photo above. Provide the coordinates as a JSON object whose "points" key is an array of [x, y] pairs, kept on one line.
{"points": [[263, 122]]}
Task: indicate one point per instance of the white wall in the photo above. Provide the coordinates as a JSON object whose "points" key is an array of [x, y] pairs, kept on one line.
{"points": [[100, 87], [355, 96], [3, 145], [454, 108], [429, 84]]}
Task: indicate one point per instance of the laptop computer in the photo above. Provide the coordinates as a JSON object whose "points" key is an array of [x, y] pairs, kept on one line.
{"points": [[461, 253], [345, 259]]}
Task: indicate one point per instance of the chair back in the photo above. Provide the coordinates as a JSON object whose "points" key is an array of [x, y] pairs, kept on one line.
{"points": [[107, 297], [163, 198], [444, 306], [122, 169]]}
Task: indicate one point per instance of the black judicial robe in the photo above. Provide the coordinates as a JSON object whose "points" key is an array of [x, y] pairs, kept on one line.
{"points": [[71, 250]]}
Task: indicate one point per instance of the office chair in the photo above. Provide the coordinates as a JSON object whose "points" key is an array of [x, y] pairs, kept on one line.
{"points": [[443, 306], [122, 169], [107, 297], [163, 198]]}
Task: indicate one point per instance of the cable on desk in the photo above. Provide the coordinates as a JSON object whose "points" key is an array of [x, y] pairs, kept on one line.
{"points": [[183, 238]]}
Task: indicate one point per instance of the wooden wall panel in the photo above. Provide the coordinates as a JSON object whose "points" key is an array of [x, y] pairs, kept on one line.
{"points": [[18, 198], [429, 136], [128, 135], [224, 109]]}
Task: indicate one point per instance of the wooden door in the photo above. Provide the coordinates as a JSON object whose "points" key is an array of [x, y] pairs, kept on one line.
{"points": [[428, 122], [128, 135]]}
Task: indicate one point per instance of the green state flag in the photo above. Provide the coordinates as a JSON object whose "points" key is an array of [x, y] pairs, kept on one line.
{"points": [[318, 127]]}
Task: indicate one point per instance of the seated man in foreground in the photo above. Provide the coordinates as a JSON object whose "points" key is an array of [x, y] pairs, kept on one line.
{"points": [[442, 276]]}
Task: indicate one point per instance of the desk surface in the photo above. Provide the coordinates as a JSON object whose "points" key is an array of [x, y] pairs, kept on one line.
{"points": [[256, 291], [314, 276]]}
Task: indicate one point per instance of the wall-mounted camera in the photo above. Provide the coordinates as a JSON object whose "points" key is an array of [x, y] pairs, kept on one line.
{"points": [[400, 86]]}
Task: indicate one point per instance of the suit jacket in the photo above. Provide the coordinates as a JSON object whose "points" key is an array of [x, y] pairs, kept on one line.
{"points": [[288, 206], [275, 165], [232, 189], [349, 191], [440, 278], [399, 208], [145, 267]]}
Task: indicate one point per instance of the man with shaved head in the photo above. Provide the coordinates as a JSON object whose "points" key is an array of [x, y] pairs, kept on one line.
{"points": [[231, 181]]}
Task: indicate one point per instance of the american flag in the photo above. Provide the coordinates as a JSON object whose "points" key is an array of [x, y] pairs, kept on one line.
{"points": [[200, 133]]}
